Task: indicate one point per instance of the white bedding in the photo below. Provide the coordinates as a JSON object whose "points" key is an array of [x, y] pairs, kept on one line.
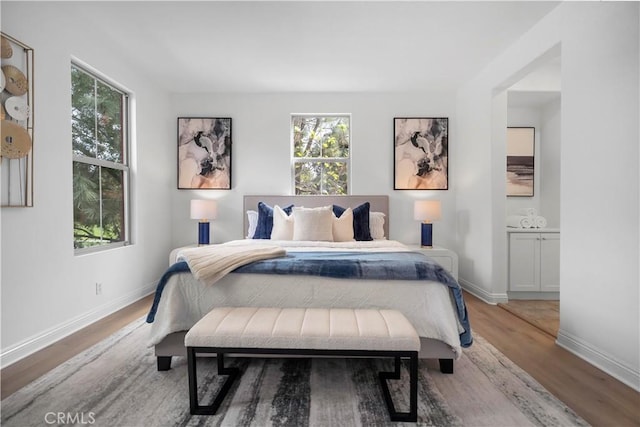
{"points": [[428, 305]]}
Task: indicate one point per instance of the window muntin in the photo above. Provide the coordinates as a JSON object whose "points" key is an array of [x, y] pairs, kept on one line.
{"points": [[99, 113], [321, 153]]}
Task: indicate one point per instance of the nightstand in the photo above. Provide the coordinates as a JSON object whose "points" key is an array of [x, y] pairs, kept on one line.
{"points": [[445, 257]]}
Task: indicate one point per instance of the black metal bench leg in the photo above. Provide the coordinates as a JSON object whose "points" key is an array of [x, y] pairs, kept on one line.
{"points": [[413, 388], [197, 409], [164, 363], [446, 366], [412, 415]]}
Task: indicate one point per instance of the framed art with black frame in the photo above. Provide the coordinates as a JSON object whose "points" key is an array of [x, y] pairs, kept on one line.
{"points": [[421, 158], [204, 153], [520, 161]]}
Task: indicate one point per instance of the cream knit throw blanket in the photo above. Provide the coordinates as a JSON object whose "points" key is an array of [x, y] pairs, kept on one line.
{"points": [[210, 263]]}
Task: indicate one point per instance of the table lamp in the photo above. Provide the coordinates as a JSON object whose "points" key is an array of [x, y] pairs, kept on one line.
{"points": [[426, 211], [203, 210]]}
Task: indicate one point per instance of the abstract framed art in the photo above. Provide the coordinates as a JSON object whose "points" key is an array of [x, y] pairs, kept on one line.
{"points": [[421, 158], [204, 153], [520, 161]]}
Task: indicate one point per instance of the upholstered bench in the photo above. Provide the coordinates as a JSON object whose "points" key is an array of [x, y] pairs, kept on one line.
{"points": [[310, 332]]}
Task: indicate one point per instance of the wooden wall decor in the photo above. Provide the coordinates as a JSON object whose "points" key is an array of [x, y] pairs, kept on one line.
{"points": [[16, 122]]}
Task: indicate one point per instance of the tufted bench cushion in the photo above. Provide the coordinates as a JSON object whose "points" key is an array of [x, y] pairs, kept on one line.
{"points": [[304, 328], [304, 331]]}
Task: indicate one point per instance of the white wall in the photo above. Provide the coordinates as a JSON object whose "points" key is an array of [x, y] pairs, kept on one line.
{"points": [[599, 315], [550, 157], [47, 291], [600, 246], [261, 154], [474, 202]]}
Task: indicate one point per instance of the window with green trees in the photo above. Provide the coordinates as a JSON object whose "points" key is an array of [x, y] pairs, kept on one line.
{"points": [[321, 153], [99, 117]]}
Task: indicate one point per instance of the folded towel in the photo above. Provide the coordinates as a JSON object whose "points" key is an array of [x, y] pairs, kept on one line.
{"points": [[540, 222], [520, 221], [527, 212]]}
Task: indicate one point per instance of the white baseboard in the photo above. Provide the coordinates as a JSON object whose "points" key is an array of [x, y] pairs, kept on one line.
{"points": [[37, 342], [489, 298], [549, 296], [600, 359]]}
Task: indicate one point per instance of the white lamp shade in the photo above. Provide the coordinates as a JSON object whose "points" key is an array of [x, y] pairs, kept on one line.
{"points": [[204, 209], [427, 210]]}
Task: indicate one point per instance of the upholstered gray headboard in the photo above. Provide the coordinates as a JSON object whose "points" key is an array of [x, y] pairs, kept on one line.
{"points": [[378, 204]]}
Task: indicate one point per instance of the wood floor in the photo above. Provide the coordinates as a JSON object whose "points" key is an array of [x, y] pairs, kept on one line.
{"points": [[543, 314], [597, 397]]}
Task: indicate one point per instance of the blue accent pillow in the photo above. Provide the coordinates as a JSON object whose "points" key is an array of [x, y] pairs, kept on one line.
{"points": [[265, 220], [361, 229]]}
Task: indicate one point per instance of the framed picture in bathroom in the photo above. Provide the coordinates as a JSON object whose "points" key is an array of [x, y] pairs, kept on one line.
{"points": [[520, 161]]}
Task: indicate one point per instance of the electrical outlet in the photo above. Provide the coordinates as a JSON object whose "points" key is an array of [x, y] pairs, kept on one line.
{"points": [[98, 288]]}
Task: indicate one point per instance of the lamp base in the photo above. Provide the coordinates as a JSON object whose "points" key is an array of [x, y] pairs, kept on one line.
{"points": [[203, 233], [426, 239]]}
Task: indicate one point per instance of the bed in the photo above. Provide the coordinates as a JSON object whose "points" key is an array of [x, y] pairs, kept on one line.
{"points": [[433, 303]]}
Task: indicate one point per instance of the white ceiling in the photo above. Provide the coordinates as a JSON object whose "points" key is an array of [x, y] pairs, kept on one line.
{"points": [[305, 46]]}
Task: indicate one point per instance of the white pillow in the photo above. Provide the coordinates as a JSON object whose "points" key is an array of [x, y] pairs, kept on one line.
{"points": [[252, 219], [313, 223], [282, 225], [376, 225], [343, 226]]}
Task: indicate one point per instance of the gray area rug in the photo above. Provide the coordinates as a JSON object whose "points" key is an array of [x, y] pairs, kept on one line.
{"points": [[115, 383]]}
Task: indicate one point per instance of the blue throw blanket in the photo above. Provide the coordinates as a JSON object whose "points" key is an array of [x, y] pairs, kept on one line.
{"points": [[349, 265], [178, 267]]}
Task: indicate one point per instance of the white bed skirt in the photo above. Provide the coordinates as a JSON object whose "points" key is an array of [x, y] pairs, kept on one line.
{"points": [[428, 305]]}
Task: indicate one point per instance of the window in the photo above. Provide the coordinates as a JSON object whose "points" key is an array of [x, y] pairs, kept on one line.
{"points": [[321, 153], [99, 117]]}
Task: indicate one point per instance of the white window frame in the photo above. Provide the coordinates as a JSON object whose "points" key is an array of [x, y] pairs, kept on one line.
{"points": [[295, 160], [124, 166]]}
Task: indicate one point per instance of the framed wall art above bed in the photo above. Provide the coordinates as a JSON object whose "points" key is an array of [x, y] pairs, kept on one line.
{"points": [[204, 153], [421, 156]]}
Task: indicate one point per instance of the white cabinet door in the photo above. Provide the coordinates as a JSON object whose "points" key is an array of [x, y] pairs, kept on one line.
{"points": [[524, 262], [550, 262]]}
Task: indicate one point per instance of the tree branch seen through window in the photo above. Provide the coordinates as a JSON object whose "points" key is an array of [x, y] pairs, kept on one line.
{"points": [[100, 168], [321, 154]]}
